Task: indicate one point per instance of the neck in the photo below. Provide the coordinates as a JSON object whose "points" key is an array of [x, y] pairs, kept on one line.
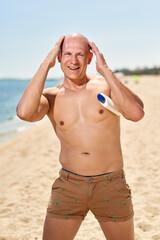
{"points": [[77, 84]]}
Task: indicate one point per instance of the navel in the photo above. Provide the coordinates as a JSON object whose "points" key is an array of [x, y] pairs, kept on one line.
{"points": [[85, 153], [61, 123], [101, 111]]}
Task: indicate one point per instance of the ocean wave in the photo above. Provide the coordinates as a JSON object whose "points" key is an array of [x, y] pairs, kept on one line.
{"points": [[13, 127], [21, 129], [7, 133]]}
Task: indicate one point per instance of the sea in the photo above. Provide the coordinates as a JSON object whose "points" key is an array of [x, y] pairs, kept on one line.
{"points": [[11, 91]]}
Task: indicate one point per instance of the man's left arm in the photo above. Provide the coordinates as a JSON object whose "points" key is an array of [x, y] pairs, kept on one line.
{"points": [[127, 102]]}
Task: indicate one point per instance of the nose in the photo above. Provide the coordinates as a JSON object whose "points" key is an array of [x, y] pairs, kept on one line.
{"points": [[74, 59]]}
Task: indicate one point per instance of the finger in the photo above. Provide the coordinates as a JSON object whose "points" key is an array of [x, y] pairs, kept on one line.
{"points": [[58, 43], [91, 45], [94, 47]]}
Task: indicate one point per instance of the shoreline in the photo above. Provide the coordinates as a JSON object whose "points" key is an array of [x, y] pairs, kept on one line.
{"points": [[12, 128], [33, 127]]}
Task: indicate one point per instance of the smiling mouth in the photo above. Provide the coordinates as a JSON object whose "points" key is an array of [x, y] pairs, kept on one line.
{"points": [[73, 68]]}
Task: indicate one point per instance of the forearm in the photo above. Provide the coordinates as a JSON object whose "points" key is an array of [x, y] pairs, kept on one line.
{"points": [[30, 101], [128, 103]]}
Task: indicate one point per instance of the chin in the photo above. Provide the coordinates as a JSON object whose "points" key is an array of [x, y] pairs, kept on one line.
{"points": [[73, 77]]}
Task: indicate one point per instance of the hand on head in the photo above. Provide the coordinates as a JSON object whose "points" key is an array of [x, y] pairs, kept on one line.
{"points": [[100, 60], [51, 57], [91, 46]]}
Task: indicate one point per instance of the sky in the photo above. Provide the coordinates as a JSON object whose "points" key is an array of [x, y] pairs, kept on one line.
{"points": [[126, 32]]}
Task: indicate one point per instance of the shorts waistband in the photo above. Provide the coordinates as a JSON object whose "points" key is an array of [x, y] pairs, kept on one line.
{"points": [[85, 175], [93, 178]]}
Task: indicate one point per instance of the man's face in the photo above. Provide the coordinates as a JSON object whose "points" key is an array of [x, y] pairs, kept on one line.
{"points": [[75, 57]]}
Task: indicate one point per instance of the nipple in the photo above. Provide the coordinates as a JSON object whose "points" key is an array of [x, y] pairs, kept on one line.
{"points": [[61, 123], [101, 111]]}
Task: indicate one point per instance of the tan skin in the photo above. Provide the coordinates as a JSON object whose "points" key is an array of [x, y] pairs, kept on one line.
{"points": [[89, 134]]}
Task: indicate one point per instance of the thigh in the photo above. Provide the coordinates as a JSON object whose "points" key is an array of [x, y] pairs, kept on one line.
{"points": [[60, 229], [118, 230]]}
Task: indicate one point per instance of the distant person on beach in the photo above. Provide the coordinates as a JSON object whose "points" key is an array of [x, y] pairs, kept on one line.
{"points": [[92, 176]]}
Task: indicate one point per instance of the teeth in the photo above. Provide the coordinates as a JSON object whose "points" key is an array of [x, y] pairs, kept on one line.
{"points": [[73, 68]]}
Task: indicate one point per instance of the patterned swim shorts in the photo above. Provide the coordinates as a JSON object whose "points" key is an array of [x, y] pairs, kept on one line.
{"points": [[107, 196]]}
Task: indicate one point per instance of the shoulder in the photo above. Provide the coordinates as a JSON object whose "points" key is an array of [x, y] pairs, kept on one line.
{"points": [[95, 77], [51, 93], [98, 80], [97, 83]]}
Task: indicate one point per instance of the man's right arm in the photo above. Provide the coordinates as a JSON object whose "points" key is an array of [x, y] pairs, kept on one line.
{"points": [[33, 106]]}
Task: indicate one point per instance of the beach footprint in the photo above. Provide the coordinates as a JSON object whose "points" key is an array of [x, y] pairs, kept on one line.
{"points": [[156, 237], [144, 226]]}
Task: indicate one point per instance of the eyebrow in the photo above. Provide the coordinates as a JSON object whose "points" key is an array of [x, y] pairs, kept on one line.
{"points": [[67, 51]]}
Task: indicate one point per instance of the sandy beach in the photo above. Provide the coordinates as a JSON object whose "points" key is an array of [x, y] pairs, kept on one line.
{"points": [[29, 165]]}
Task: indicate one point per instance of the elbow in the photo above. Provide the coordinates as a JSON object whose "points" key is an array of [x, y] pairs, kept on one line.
{"points": [[135, 116], [138, 115], [23, 115]]}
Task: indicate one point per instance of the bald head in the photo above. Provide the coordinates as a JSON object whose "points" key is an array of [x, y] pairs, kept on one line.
{"points": [[73, 37], [76, 36]]}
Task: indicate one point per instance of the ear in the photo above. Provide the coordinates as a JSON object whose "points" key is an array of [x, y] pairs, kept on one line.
{"points": [[90, 57], [59, 57]]}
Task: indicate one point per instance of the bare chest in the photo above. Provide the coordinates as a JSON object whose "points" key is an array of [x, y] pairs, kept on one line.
{"points": [[78, 108]]}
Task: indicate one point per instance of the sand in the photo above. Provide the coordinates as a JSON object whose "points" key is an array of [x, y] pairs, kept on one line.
{"points": [[29, 165]]}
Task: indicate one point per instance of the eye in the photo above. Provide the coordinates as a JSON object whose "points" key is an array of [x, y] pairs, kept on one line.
{"points": [[80, 54], [67, 54]]}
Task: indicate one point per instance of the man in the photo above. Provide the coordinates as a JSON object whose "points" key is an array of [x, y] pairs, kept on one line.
{"points": [[92, 176]]}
